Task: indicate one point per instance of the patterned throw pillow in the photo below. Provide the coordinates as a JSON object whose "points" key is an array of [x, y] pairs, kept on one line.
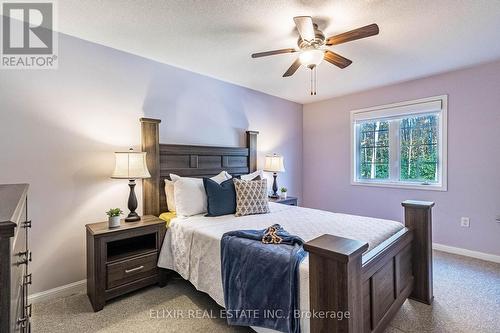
{"points": [[251, 197]]}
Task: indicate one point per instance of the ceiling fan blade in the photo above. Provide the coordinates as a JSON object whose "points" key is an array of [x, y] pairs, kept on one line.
{"points": [[290, 71], [363, 32], [268, 53], [337, 59], [305, 27]]}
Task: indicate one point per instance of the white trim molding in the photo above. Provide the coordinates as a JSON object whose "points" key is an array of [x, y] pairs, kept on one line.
{"points": [[61, 291], [466, 253]]}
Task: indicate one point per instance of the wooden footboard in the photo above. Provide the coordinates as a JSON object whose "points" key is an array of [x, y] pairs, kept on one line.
{"points": [[369, 289]]}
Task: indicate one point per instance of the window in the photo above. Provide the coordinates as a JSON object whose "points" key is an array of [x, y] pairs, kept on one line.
{"points": [[401, 145]]}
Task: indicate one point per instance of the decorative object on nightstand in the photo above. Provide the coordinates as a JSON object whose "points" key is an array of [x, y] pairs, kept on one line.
{"points": [[283, 192], [274, 163], [114, 217], [290, 201], [124, 259], [131, 165]]}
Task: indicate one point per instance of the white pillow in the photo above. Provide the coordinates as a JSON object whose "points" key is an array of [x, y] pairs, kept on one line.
{"points": [[169, 192], [189, 194], [174, 177], [253, 175], [222, 176]]}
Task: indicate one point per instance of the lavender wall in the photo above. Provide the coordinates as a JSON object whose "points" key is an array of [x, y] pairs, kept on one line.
{"points": [[59, 129], [473, 157]]}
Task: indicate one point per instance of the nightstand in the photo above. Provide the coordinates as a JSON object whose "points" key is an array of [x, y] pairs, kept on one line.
{"points": [[123, 259], [291, 201]]}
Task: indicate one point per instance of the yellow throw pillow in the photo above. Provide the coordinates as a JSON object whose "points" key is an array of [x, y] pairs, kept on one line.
{"points": [[167, 217]]}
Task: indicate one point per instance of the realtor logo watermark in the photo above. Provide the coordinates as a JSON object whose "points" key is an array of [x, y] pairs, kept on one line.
{"points": [[28, 37]]}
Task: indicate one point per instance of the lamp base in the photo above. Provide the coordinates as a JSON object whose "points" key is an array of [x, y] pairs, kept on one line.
{"points": [[274, 196], [132, 204], [132, 217], [275, 187]]}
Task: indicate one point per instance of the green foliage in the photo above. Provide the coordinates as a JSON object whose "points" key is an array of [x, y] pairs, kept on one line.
{"points": [[418, 149], [374, 150], [114, 212], [283, 190]]}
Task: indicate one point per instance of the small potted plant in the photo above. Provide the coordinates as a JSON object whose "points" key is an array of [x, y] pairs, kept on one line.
{"points": [[283, 191], [114, 217]]}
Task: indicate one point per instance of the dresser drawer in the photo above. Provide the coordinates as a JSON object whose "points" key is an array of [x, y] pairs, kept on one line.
{"points": [[129, 270], [18, 320]]}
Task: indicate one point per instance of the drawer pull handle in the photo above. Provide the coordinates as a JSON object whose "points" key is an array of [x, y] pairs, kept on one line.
{"points": [[27, 279], [27, 310], [21, 322], [23, 261], [134, 269], [26, 224], [21, 254]]}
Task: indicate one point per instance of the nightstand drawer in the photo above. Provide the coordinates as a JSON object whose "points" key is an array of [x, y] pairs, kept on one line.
{"points": [[128, 270]]}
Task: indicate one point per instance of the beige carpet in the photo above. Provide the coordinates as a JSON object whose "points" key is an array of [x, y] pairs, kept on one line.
{"points": [[467, 299]]}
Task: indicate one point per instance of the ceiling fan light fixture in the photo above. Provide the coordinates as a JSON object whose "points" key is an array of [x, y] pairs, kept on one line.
{"points": [[311, 57], [313, 47]]}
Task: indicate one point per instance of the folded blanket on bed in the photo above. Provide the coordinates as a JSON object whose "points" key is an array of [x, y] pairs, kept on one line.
{"points": [[260, 278]]}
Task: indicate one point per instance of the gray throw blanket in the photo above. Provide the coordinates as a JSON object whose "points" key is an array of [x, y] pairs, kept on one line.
{"points": [[260, 280]]}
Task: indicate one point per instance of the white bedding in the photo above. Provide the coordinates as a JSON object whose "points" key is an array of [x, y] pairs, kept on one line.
{"points": [[192, 245]]}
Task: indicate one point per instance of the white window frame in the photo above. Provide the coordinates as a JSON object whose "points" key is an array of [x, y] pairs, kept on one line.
{"points": [[418, 106]]}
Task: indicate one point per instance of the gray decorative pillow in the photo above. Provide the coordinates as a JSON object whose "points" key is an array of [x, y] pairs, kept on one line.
{"points": [[251, 197]]}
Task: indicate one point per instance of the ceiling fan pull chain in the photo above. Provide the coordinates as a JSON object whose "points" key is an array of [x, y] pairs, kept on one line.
{"points": [[315, 79], [311, 85]]}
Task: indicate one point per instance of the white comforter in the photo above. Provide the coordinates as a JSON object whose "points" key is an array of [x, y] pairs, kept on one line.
{"points": [[192, 245]]}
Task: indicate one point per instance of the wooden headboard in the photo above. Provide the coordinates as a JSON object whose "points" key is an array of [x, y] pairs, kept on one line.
{"points": [[188, 161]]}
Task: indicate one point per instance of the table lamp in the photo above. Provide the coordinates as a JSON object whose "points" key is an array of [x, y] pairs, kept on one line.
{"points": [[274, 164], [131, 165]]}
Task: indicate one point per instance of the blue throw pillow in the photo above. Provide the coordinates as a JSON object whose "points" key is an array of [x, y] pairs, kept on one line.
{"points": [[221, 198]]}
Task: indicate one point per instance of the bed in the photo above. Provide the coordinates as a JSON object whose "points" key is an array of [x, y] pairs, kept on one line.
{"points": [[365, 266]]}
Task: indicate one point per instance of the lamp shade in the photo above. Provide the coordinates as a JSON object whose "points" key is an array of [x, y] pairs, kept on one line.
{"points": [[274, 163], [130, 165]]}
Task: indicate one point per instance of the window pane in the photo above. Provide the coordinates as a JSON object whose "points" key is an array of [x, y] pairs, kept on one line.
{"points": [[373, 150], [419, 148]]}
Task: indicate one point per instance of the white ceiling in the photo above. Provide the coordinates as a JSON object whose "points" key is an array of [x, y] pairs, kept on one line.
{"points": [[216, 37]]}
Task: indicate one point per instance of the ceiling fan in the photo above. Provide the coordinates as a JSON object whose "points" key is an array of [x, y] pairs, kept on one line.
{"points": [[313, 47]]}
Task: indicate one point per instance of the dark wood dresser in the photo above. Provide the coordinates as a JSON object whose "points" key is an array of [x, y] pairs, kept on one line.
{"points": [[15, 255], [123, 259]]}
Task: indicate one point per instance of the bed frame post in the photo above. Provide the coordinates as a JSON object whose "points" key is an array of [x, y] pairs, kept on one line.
{"points": [[335, 265], [150, 143], [252, 149], [418, 218]]}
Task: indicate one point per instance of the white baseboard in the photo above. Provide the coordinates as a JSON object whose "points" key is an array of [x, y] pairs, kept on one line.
{"points": [[467, 253], [62, 291]]}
